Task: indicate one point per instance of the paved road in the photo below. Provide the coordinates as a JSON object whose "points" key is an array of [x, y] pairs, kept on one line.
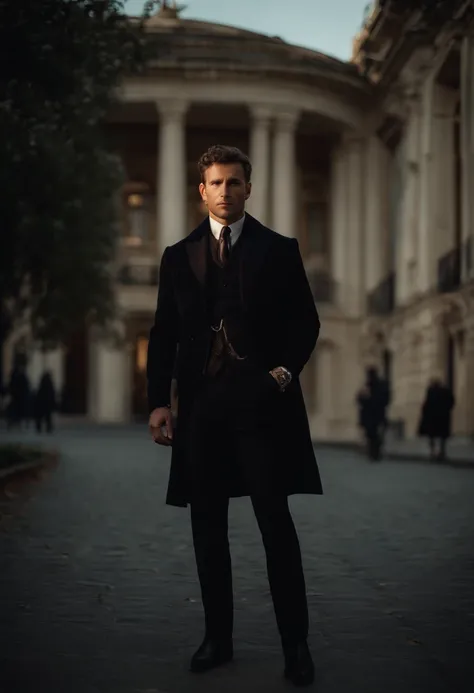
{"points": [[98, 589]]}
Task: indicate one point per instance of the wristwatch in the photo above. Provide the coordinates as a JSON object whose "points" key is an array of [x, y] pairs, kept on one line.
{"points": [[282, 376]]}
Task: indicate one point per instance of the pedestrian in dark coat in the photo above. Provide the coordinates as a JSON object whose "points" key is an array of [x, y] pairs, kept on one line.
{"points": [[19, 391], [435, 420], [372, 402], [45, 403], [235, 298]]}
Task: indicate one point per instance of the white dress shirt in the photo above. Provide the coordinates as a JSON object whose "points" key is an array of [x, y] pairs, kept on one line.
{"points": [[235, 229]]}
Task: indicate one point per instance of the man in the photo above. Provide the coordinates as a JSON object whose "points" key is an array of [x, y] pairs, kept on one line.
{"points": [[373, 401], [236, 312]]}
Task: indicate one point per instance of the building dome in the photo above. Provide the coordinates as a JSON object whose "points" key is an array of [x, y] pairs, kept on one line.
{"points": [[187, 45]]}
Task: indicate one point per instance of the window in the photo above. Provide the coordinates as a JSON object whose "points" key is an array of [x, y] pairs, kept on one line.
{"points": [[137, 218], [141, 354], [137, 215]]}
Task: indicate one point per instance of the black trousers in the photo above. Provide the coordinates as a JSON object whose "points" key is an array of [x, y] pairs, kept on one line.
{"points": [[374, 433], [234, 412]]}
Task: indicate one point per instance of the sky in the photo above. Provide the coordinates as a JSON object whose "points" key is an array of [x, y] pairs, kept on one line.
{"points": [[323, 25]]}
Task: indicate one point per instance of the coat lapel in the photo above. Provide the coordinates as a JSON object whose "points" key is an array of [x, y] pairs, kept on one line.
{"points": [[256, 240], [197, 251]]}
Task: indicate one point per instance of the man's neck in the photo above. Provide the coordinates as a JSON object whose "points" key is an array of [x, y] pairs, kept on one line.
{"points": [[229, 221]]}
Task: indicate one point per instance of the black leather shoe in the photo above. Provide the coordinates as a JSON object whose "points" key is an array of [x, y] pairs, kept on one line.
{"points": [[299, 667], [211, 654]]}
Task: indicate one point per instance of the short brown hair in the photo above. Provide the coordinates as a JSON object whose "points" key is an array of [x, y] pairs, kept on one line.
{"points": [[222, 154]]}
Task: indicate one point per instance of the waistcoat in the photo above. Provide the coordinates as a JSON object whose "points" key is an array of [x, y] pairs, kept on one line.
{"points": [[229, 341]]}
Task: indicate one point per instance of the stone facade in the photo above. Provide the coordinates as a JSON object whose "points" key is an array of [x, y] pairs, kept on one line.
{"points": [[420, 214], [369, 164]]}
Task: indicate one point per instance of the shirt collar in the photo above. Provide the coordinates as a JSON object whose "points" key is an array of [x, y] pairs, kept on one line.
{"points": [[235, 229]]}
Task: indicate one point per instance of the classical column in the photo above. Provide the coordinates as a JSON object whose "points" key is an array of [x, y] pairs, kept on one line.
{"points": [[284, 173], [426, 274], [36, 365], [338, 221], [467, 154], [171, 174], [347, 223], [407, 255], [376, 204], [257, 204], [354, 268], [443, 208], [109, 376]]}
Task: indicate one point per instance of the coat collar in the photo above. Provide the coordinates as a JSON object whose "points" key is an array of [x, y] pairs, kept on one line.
{"points": [[256, 240]]}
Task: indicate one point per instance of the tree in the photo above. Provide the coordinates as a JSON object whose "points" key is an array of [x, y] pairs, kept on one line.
{"points": [[61, 61]]}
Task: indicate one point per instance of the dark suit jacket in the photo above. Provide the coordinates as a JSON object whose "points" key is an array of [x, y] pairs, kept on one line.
{"points": [[280, 316]]}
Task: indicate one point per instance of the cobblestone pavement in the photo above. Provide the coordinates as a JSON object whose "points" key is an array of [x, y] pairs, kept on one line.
{"points": [[98, 588]]}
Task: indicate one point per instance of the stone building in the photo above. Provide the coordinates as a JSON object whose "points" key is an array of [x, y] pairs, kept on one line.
{"points": [[419, 216], [367, 163]]}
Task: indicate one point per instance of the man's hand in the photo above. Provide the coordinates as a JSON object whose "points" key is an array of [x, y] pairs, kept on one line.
{"points": [[161, 426]]}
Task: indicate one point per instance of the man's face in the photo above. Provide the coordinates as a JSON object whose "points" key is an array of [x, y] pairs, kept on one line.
{"points": [[225, 191]]}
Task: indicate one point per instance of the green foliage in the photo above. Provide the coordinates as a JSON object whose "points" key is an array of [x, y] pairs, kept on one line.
{"points": [[61, 61]]}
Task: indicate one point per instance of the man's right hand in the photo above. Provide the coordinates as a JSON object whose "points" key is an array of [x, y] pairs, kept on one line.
{"points": [[161, 426]]}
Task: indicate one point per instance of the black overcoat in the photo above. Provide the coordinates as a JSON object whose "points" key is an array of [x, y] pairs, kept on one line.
{"points": [[436, 412], [282, 321]]}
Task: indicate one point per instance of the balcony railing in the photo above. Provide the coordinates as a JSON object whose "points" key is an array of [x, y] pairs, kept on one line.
{"points": [[381, 300], [138, 275], [449, 271], [322, 285]]}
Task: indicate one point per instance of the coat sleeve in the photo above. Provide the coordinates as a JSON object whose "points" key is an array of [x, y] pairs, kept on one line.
{"points": [[302, 320], [163, 341]]}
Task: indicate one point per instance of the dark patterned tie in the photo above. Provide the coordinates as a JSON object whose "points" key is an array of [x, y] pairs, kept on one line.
{"points": [[224, 245]]}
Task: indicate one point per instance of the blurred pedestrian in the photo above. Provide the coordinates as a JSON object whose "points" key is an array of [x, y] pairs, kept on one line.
{"points": [[45, 403], [19, 392], [372, 401], [435, 419]]}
